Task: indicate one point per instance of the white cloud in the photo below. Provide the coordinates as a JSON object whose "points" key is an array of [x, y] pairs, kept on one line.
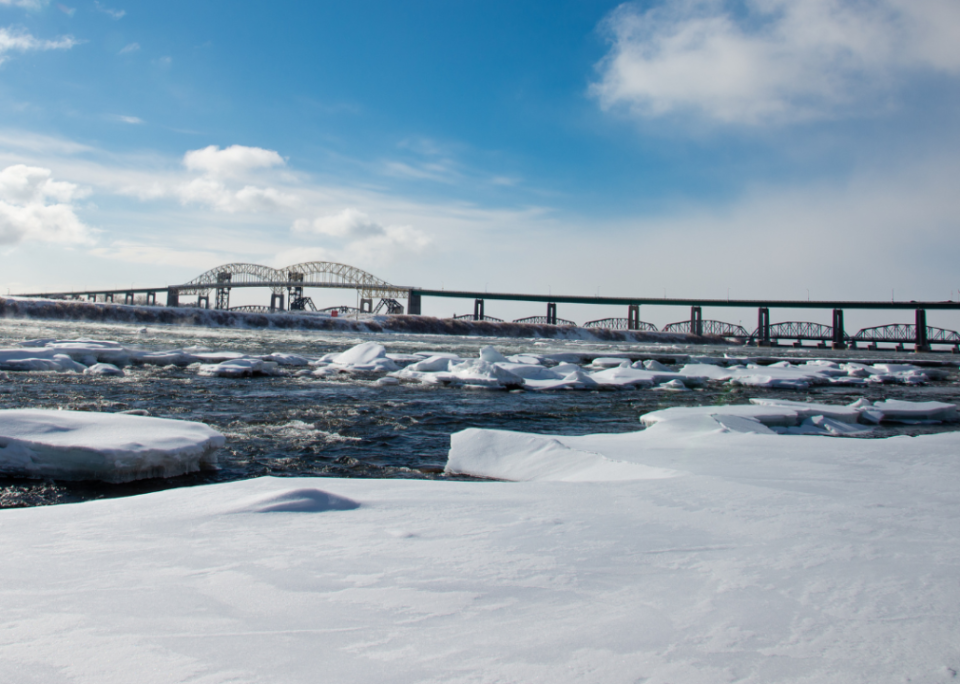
{"points": [[349, 223], [362, 238], [132, 47], [129, 119], [231, 161], [27, 4], [20, 41], [115, 14], [25, 213], [772, 61]]}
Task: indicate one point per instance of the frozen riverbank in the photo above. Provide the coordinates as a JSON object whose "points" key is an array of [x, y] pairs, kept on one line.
{"points": [[61, 310], [725, 556]]}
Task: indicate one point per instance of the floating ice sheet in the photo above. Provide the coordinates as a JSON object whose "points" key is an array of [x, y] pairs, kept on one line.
{"points": [[113, 447]]}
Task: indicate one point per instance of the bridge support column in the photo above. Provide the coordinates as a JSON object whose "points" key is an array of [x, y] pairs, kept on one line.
{"points": [[151, 299], [128, 298], [551, 313], [276, 302], [763, 327], [173, 296], [478, 309], [203, 301], [839, 336], [920, 343], [696, 320], [108, 298], [413, 303], [633, 317], [366, 305]]}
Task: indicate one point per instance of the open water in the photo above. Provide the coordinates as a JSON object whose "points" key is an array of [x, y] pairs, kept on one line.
{"points": [[351, 427]]}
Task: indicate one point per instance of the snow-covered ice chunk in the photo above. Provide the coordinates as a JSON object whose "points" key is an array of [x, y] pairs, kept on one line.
{"points": [[491, 355], [284, 359], [903, 411], [112, 447], [652, 365], [518, 457], [103, 369], [238, 368], [480, 373], [624, 377], [673, 386], [368, 356], [846, 414], [609, 362]]}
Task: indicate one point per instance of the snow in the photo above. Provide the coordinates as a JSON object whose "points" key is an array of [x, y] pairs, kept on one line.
{"points": [[368, 356], [238, 368], [113, 447], [684, 553], [103, 369]]}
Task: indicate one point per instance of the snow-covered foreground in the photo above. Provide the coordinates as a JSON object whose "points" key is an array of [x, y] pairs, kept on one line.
{"points": [[706, 548]]}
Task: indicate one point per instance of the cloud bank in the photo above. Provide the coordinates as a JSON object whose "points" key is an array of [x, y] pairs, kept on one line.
{"points": [[772, 61], [33, 206]]}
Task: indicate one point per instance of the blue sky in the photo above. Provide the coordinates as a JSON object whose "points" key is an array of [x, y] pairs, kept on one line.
{"points": [[760, 147]]}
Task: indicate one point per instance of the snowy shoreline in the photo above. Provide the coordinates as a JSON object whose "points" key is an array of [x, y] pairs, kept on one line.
{"points": [[705, 548], [45, 309]]}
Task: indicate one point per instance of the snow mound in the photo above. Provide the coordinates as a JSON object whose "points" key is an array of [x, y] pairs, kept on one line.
{"points": [[369, 356], [304, 500], [103, 369], [111, 447]]}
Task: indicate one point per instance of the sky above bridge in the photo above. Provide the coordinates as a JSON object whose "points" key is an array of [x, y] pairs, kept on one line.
{"points": [[695, 148]]}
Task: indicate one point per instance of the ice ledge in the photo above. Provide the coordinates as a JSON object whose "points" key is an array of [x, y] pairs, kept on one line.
{"points": [[111, 447]]}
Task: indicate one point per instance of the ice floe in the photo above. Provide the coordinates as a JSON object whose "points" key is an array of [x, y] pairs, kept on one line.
{"points": [[112, 447]]}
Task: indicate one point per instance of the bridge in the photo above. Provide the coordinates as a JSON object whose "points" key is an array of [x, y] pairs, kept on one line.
{"points": [[288, 285]]}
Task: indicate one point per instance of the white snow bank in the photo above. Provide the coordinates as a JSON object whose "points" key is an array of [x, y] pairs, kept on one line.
{"points": [[113, 447], [765, 560]]}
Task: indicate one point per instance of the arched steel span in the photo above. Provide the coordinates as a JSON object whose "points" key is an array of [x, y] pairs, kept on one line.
{"points": [[306, 274], [708, 327]]}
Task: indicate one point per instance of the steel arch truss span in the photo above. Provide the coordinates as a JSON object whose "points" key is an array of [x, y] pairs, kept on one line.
{"points": [[543, 320], [306, 274], [620, 324], [797, 330], [708, 327], [905, 332]]}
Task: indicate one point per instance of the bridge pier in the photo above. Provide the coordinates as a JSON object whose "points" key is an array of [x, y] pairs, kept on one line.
{"points": [[633, 317], [222, 300], [128, 298], [366, 305], [920, 342], [203, 301], [551, 313], [763, 327], [839, 341], [276, 302], [696, 321], [413, 303], [478, 309], [151, 299], [173, 296]]}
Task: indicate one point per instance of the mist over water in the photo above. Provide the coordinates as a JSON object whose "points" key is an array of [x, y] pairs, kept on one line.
{"points": [[349, 426]]}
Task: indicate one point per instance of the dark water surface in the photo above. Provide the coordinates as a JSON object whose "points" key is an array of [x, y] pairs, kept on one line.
{"points": [[351, 427]]}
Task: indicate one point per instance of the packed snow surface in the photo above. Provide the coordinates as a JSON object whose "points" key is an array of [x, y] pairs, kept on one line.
{"points": [[112, 447], [688, 552]]}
